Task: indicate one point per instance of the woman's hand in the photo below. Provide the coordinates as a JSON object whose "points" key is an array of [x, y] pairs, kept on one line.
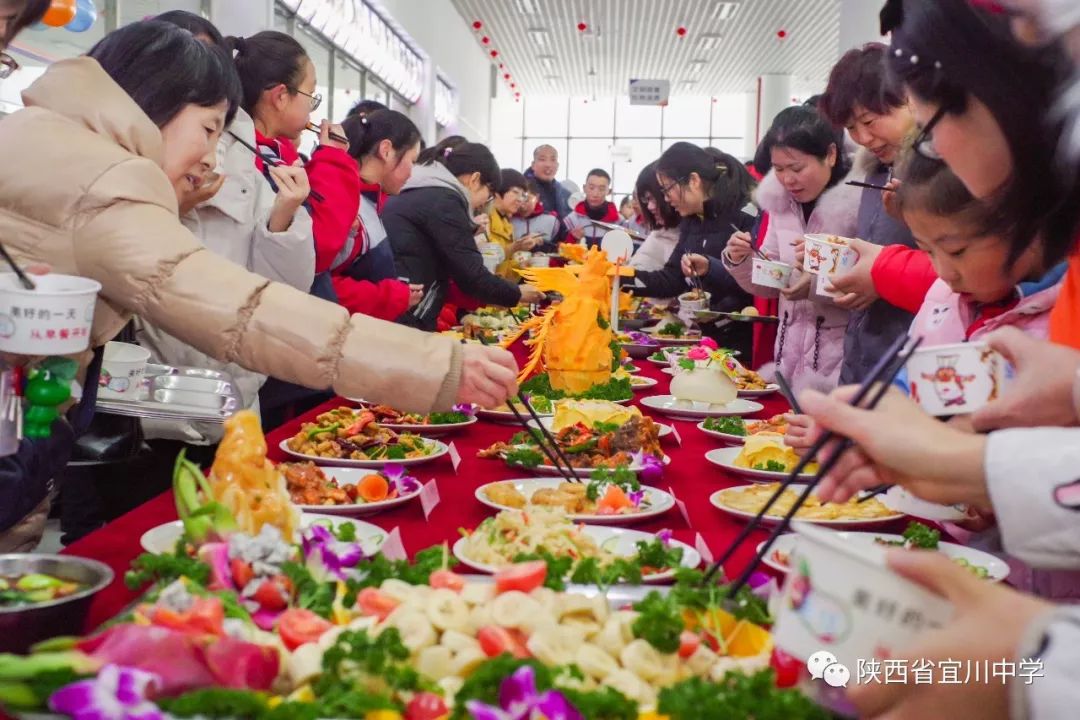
{"points": [[889, 200], [989, 625], [325, 128], [531, 296], [1041, 393], [738, 248], [483, 221], [488, 376], [694, 265], [416, 294], [858, 284], [293, 190], [800, 290], [524, 244], [210, 187]]}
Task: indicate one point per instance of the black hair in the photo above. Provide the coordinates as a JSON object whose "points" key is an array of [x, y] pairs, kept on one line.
{"points": [[861, 78], [532, 186], [510, 179], [813, 101], [469, 158], [598, 172], [930, 186], [366, 132], [627, 200], [947, 52], [433, 153], [725, 189], [647, 185], [366, 107], [804, 129], [31, 13], [164, 69], [266, 60], [194, 24]]}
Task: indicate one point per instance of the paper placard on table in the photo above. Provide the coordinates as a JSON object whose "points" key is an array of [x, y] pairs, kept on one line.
{"points": [[393, 548], [429, 497], [455, 456], [703, 548], [675, 432], [681, 505]]}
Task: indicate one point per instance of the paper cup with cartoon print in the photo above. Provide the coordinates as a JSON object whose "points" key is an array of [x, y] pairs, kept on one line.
{"points": [[770, 274], [956, 379], [840, 602], [55, 318], [122, 369], [828, 254]]}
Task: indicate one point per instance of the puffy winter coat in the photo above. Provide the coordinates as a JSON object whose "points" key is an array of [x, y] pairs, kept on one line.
{"points": [[90, 199], [656, 250], [432, 233], [903, 276], [810, 339], [583, 216]]}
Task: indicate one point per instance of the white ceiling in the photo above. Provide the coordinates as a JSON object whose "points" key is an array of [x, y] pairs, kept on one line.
{"points": [[638, 39]]}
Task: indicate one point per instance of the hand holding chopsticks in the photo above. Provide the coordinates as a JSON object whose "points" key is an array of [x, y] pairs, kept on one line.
{"points": [[317, 196], [24, 279]]}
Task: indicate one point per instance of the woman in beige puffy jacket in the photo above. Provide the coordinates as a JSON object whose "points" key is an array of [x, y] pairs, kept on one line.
{"points": [[98, 158]]}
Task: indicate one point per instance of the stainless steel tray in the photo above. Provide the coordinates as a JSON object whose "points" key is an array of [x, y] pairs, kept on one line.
{"points": [[179, 393]]}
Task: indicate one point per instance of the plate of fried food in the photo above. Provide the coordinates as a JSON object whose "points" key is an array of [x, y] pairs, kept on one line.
{"points": [[746, 502], [348, 437], [431, 425], [762, 458], [615, 499], [347, 491], [735, 430]]}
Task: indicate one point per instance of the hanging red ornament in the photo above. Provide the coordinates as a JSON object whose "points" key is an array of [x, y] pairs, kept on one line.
{"points": [[486, 40], [477, 25], [714, 100], [501, 66], [506, 76], [494, 53], [582, 27], [513, 85], [681, 31], [781, 34]]}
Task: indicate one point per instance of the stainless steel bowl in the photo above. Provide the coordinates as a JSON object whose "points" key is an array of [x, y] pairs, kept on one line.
{"points": [[23, 625]]}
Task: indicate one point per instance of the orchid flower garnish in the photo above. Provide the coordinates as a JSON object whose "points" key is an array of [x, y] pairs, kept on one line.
{"points": [[652, 469], [519, 700], [640, 338], [465, 409], [327, 558], [117, 693], [636, 497], [399, 481], [665, 536]]}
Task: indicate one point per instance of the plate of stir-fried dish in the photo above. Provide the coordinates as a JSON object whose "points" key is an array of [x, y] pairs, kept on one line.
{"points": [[439, 423], [347, 491], [348, 437]]}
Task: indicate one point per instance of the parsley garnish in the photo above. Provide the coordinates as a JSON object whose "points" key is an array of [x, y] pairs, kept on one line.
{"points": [[737, 696], [524, 457], [447, 418], [622, 477], [771, 466], [672, 329], [149, 567], [728, 425]]}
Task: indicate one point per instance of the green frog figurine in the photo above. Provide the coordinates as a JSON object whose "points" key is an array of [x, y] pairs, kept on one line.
{"points": [[48, 387]]}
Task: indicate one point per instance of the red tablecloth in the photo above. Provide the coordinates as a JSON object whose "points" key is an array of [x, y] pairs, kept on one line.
{"points": [[690, 475]]}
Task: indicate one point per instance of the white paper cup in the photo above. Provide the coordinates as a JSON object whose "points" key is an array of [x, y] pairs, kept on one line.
{"points": [[53, 319], [821, 255], [841, 598], [771, 274], [540, 260], [522, 258], [956, 379], [689, 304], [122, 369]]}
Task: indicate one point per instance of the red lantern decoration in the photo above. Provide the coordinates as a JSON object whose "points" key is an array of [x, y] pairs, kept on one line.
{"points": [[506, 76], [60, 13], [485, 40], [781, 34], [494, 53], [681, 32], [582, 27], [477, 25], [513, 85]]}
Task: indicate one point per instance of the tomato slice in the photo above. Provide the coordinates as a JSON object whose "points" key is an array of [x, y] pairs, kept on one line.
{"points": [[375, 603], [426, 706], [206, 616], [688, 644], [298, 626], [526, 576], [242, 573], [447, 579], [787, 668], [271, 596], [495, 640]]}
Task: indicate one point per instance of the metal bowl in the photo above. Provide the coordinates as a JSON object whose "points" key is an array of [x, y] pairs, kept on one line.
{"points": [[23, 625]]}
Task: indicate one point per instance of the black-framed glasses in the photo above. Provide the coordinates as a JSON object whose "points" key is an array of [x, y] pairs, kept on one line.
{"points": [[316, 99], [924, 141], [8, 66], [667, 190]]}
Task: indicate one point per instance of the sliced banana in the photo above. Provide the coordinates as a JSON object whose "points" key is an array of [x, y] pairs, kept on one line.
{"points": [[556, 647], [480, 616], [514, 609], [625, 682], [610, 638], [701, 662], [451, 685], [304, 663], [722, 667], [446, 610], [642, 659], [595, 662], [573, 604], [467, 660], [457, 641], [398, 589], [478, 593], [436, 662], [415, 628], [585, 627]]}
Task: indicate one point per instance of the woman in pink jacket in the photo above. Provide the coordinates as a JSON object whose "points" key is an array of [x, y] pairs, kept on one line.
{"points": [[802, 194]]}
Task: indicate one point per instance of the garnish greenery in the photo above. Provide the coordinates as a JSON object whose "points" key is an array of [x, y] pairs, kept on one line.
{"points": [[737, 696], [616, 389], [771, 466], [728, 425], [447, 418], [672, 329], [621, 477], [651, 555], [151, 568]]}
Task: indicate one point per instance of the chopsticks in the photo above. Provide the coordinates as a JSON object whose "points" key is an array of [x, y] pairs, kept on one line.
{"points": [[886, 366], [789, 395], [23, 277], [333, 135], [871, 186], [757, 251], [317, 196]]}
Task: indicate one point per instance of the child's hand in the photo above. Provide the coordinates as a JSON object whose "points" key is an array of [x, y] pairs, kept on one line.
{"points": [[802, 432]]}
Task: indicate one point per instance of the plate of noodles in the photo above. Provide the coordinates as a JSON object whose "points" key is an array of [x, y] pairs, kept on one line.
{"points": [[610, 506], [746, 502]]}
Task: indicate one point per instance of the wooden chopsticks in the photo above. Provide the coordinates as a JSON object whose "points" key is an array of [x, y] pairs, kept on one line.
{"points": [[316, 196], [24, 279]]}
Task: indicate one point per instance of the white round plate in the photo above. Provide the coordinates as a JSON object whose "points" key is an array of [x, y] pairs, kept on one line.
{"points": [[637, 384], [426, 430], [587, 472], [726, 437], [440, 450], [162, 539], [505, 417], [632, 369], [669, 405], [768, 390], [717, 501], [996, 568], [678, 342], [662, 363], [900, 500], [660, 501], [351, 476], [664, 430], [725, 458], [619, 541]]}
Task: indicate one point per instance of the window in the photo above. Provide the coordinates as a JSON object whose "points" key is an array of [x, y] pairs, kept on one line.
{"points": [[445, 102], [348, 89], [320, 58]]}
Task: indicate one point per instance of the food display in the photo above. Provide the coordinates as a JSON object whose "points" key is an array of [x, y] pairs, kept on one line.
{"points": [[776, 425], [750, 500], [615, 493], [389, 417], [33, 588], [491, 324], [349, 434], [768, 452], [309, 485], [675, 331]]}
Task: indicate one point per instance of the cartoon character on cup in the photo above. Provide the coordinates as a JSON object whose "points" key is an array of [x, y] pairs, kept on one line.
{"points": [[117, 384], [813, 252], [948, 382], [822, 614]]}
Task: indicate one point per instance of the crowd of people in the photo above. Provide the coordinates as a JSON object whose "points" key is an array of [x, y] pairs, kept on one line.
{"points": [[164, 165]]}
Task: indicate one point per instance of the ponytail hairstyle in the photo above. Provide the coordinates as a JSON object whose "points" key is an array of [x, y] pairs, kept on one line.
{"points": [[804, 129], [195, 24], [723, 188], [31, 13], [366, 132], [647, 185], [264, 61], [468, 158], [431, 154], [164, 69]]}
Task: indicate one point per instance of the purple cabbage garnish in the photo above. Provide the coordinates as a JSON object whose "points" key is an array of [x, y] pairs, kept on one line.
{"points": [[117, 693]]}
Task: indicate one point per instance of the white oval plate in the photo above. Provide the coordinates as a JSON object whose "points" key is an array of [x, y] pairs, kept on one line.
{"points": [[717, 501], [660, 501], [725, 458], [767, 390], [426, 430], [662, 363], [900, 500], [998, 569], [726, 437], [351, 476], [440, 450], [637, 383], [664, 430], [505, 417], [632, 369], [588, 472], [162, 539], [668, 405], [619, 541]]}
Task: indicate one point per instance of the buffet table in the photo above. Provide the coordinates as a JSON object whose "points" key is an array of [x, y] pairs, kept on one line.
{"points": [[690, 476]]}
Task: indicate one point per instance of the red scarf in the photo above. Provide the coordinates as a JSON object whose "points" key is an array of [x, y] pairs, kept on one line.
{"points": [[611, 213], [537, 211], [366, 188], [281, 148]]}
